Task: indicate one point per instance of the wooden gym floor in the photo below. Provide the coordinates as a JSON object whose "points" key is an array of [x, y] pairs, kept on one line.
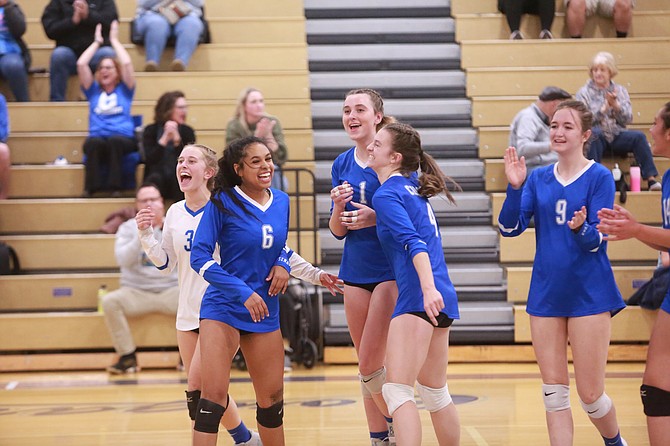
{"points": [[498, 404]]}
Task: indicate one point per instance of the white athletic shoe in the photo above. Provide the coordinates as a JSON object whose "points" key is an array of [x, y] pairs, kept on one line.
{"points": [[624, 442], [379, 442], [255, 440]]}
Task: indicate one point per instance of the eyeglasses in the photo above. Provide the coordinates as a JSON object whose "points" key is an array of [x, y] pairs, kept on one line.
{"points": [[148, 199]]}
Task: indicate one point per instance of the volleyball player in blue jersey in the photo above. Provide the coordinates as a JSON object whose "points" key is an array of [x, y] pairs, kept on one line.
{"points": [[619, 224], [572, 290], [418, 337], [369, 287], [250, 222]]}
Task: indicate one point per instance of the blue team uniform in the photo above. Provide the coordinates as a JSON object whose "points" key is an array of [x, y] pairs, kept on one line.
{"points": [[362, 261], [250, 246], [572, 275], [406, 226], [665, 306]]}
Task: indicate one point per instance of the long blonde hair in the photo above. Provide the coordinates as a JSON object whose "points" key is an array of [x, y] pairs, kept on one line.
{"points": [[240, 113]]}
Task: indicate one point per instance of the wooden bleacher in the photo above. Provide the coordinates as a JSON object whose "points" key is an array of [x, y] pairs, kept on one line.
{"points": [[504, 76], [54, 231]]}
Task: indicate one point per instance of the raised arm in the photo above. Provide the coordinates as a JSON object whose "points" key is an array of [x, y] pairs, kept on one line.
{"points": [[83, 63], [127, 70]]}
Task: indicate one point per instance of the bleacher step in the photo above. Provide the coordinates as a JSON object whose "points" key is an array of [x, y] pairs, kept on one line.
{"points": [[429, 84], [379, 30]]}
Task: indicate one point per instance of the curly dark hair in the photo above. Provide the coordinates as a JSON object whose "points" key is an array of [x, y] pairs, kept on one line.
{"points": [[226, 178]]}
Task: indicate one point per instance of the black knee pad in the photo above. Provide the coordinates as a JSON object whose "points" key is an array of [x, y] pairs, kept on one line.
{"points": [[656, 402], [272, 416], [192, 399], [208, 416]]}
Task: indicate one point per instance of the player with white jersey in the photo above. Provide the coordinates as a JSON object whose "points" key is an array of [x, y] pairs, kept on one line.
{"points": [[196, 168], [195, 173], [573, 295], [427, 304]]}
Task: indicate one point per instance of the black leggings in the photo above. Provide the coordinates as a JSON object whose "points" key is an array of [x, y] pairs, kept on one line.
{"points": [[107, 152], [514, 9]]}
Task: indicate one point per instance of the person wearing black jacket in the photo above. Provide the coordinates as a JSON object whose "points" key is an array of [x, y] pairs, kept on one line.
{"points": [[71, 23], [14, 54], [163, 141]]}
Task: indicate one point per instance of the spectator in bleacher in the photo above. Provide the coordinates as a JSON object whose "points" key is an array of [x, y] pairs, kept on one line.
{"points": [[612, 111], [72, 25], [529, 132], [427, 304], [157, 20], [573, 294], [514, 9], [111, 128], [370, 290], [251, 119], [619, 224], [14, 54], [144, 289], [577, 11], [163, 141], [5, 160]]}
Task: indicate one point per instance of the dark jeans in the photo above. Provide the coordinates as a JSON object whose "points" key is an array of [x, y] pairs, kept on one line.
{"points": [[106, 154], [514, 9], [625, 142]]}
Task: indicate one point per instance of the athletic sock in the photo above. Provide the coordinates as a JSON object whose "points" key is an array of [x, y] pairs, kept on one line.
{"points": [[240, 434], [379, 435], [616, 441]]}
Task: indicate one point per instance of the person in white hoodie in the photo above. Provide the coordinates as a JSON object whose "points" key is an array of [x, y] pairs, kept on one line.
{"points": [[529, 132], [144, 289]]}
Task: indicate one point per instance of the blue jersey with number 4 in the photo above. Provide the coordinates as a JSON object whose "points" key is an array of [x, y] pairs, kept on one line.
{"points": [[406, 226], [249, 248], [572, 275], [362, 260]]}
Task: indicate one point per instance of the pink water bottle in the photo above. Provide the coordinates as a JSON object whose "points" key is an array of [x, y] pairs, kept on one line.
{"points": [[634, 178]]}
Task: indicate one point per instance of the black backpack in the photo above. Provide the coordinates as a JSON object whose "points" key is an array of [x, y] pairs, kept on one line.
{"points": [[651, 294], [9, 261]]}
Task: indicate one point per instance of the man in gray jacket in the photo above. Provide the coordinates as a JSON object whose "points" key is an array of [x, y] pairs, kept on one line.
{"points": [[529, 131], [144, 289]]}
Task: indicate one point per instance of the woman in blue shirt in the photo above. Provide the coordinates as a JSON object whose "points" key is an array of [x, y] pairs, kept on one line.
{"points": [[249, 221], [418, 336], [572, 294], [111, 129]]}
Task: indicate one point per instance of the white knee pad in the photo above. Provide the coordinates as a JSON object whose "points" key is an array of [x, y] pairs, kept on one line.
{"points": [[374, 381], [434, 399], [396, 395], [364, 389], [599, 408], [556, 397]]}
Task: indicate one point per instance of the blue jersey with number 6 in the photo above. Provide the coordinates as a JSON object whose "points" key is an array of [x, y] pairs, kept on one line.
{"points": [[250, 243], [572, 275], [362, 260], [406, 226]]}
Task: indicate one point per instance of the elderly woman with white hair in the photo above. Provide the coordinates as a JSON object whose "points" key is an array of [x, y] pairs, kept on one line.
{"points": [[612, 111]]}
